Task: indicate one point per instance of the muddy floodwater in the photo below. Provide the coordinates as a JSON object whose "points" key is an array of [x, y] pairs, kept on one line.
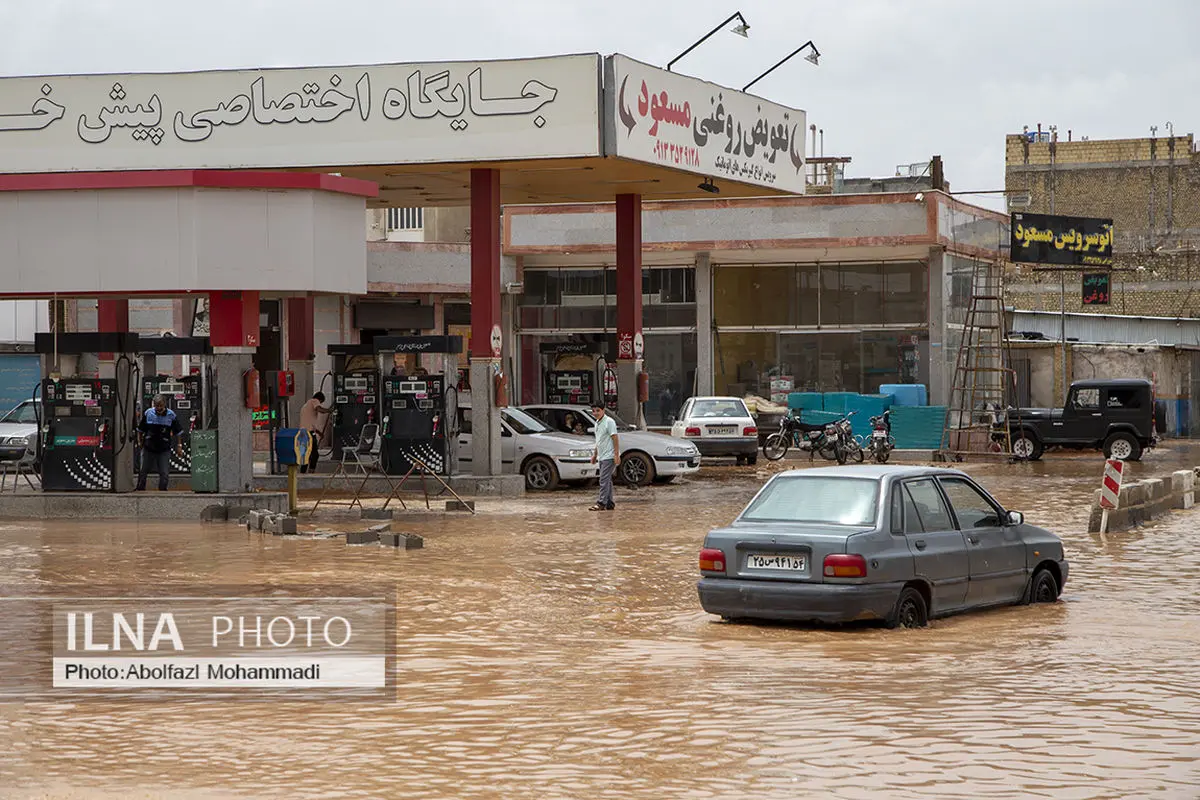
{"points": [[545, 651]]}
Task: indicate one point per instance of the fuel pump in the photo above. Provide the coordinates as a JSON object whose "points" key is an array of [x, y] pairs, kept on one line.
{"points": [[419, 410], [79, 443], [570, 374], [355, 403], [184, 398]]}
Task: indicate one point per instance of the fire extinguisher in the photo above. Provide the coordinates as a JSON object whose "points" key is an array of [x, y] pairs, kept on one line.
{"points": [[643, 387], [500, 389], [253, 388]]}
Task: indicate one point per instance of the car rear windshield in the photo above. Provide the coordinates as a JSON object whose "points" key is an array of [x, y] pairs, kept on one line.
{"points": [[816, 499], [720, 408]]}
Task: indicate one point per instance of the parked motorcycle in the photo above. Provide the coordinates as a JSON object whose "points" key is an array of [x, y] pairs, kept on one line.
{"points": [[804, 436], [847, 446], [881, 443]]}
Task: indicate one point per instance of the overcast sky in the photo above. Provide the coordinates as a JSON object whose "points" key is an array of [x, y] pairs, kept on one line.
{"points": [[899, 80]]}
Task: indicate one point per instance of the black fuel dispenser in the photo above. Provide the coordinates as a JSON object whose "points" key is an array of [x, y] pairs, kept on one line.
{"points": [[419, 411], [570, 386], [79, 417], [355, 404]]}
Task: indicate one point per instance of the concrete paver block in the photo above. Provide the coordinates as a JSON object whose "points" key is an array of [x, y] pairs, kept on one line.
{"points": [[382, 527], [1183, 480], [362, 537], [1156, 488], [236, 510], [1189, 499], [376, 513], [457, 505], [409, 541]]}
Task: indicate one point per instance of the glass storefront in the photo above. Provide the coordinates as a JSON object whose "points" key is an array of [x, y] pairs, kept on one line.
{"points": [[772, 363]]}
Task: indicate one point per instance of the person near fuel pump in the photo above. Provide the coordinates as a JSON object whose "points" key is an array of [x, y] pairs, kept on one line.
{"points": [[607, 454], [314, 418], [158, 430]]}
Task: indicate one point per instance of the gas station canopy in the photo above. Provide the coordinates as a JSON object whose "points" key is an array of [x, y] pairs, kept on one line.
{"points": [[575, 128]]}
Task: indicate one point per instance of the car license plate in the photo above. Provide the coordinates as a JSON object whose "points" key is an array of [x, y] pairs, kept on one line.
{"points": [[722, 430], [776, 561], [880, 434]]}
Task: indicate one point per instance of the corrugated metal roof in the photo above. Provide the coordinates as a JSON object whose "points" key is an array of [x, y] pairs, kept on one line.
{"points": [[1107, 328]]}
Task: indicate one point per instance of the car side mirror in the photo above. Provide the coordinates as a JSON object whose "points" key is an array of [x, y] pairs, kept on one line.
{"points": [[1015, 518]]}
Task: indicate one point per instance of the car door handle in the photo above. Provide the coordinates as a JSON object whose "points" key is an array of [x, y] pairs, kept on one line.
{"points": [[919, 544], [973, 539]]}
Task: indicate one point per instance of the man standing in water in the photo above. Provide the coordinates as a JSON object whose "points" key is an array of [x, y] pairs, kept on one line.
{"points": [[608, 455]]}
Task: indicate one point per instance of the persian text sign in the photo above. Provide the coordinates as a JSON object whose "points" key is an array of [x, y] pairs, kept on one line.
{"points": [[663, 118], [1071, 241], [308, 117]]}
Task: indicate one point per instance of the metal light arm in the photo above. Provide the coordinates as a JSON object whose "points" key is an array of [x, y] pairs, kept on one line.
{"points": [[701, 40], [813, 58]]}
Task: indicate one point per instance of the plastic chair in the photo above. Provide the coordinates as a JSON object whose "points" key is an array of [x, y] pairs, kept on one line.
{"points": [[22, 467]]}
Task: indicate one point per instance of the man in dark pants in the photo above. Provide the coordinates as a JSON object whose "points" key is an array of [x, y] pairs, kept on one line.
{"points": [[157, 431], [314, 418]]}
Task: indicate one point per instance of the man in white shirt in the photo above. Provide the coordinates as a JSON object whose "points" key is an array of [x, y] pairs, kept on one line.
{"points": [[607, 454]]}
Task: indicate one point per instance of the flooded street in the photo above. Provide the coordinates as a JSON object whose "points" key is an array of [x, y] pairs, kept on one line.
{"points": [[549, 652]]}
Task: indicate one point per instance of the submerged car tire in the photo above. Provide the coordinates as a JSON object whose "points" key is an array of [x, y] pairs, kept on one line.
{"points": [[1123, 447], [776, 446], [636, 468], [910, 610], [1043, 588], [1026, 446], [540, 474], [752, 459]]}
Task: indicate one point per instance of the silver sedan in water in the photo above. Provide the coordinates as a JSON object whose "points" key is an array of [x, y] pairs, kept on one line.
{"points": [[892, 543]]}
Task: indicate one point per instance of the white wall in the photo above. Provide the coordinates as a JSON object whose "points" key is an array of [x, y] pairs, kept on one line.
{"points": [[21, 319], [140, 240]]}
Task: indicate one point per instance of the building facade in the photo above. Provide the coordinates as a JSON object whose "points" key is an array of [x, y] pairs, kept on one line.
{"points": [[1149, 187]]}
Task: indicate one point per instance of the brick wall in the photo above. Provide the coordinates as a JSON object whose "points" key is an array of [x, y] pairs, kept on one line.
{"points": [[1151, 190]]}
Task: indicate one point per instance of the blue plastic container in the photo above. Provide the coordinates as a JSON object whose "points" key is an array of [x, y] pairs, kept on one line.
{"points": [[836, 401], [918, 427], [906, 394], [867, 406], [819, 417], [809, 401]]}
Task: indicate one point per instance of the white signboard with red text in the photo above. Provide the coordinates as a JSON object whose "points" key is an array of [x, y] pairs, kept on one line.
{"points": [[668, 119], [462, 111]]}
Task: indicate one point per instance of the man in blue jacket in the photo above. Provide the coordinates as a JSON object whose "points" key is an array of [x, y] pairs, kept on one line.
{"points": [[157, 431]]}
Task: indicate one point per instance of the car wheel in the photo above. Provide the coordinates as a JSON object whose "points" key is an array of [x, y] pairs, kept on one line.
{"points": [[776, 447], [540, 474], [636, 469], [1026, 446], [910, 610], [1123, 447], [1044, 587]]}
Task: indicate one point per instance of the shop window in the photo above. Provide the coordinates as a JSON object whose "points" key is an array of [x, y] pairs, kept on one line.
{"points": [[906, 292], [670, 361], [753, 295], [744, 363], [851, 294]]}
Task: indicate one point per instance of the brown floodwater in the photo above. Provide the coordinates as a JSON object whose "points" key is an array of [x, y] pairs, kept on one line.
{"points": [[548, 652]]}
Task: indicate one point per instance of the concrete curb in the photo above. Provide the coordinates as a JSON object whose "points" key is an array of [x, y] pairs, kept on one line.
{"points": [[1141, 501]]}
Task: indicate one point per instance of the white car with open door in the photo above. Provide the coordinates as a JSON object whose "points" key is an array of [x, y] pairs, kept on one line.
{"points": [[719, 426], [529, 447], [645, 457]]}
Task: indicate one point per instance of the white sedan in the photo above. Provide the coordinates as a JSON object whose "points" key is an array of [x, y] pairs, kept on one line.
{"points": [[645, 456], [719, 426], [528, 447]]}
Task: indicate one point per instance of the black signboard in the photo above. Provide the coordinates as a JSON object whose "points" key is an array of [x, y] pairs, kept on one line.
{"points": [[1070, 241], [568, 348], [1096, 286]]}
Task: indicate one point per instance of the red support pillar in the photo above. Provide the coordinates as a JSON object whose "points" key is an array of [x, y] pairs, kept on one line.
{"points": [[112, 316], [300, 328], [233, 319], [485, 261], [629, 304], [486, 334]]}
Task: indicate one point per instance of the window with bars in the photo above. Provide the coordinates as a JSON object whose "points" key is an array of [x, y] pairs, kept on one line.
{"points": [[405, 219]]}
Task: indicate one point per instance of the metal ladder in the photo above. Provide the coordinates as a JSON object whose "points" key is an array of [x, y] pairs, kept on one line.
{"points": [[984, 379]]}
